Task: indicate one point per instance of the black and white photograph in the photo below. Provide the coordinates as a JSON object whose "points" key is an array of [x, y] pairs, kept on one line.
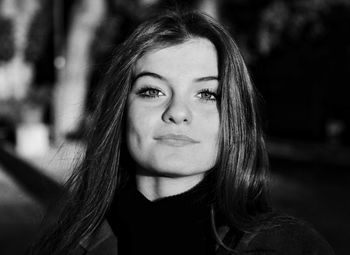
{"points": [[174, 127]]}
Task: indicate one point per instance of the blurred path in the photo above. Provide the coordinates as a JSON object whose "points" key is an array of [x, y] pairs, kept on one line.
{"points": [[29, 178], [27, 187], [19, 216]]}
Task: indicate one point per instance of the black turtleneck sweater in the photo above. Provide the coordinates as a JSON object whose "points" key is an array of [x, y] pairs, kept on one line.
{"points": [[177, 224]]}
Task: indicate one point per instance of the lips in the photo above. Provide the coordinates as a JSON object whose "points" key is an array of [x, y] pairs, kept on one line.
{"points": [[175, 140]]}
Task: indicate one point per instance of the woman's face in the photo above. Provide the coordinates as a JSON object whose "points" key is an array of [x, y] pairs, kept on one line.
{"points": [[172, 118]]}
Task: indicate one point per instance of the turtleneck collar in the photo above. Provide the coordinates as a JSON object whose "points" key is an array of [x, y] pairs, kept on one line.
{"points": [[178, 224]]}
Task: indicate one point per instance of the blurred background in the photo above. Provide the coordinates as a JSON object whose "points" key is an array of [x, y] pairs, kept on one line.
{"points": [[53, 55]]}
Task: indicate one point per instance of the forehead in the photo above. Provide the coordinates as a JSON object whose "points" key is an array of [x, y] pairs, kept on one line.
{"points": [[197, 56]]}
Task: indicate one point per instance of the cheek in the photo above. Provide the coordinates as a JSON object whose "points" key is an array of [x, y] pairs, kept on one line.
{"points": [[139, 126], [212, 133], [210, 125], [134, 130], [213, 136]]}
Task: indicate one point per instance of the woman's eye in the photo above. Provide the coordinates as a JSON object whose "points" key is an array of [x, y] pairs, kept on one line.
{"points": [[150, 92], [207, 95]]}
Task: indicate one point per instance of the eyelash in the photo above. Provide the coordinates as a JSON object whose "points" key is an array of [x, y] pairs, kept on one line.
{"points": [[144, 92], [209, 92]]}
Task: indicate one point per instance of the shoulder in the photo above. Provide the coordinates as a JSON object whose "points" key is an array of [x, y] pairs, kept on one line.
{"points": [[285, 235]]}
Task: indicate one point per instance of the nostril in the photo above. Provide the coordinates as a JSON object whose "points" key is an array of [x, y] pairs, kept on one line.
{"points": [[177, 112], [176, 119]]}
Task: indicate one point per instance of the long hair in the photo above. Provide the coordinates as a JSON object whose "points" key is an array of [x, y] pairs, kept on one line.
{"points": [[240, 172]]}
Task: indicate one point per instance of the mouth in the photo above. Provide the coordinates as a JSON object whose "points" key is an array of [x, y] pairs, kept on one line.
{"points": [[175, 140]]}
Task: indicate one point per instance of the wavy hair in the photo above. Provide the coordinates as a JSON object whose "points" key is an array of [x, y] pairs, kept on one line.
{"points": [[240, 175]]}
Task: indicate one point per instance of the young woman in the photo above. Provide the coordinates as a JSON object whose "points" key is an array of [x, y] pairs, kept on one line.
{"points": [[176, 161]]}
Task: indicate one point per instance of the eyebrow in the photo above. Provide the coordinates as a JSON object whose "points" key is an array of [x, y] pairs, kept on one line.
{"points": [[146, 73], [207, 78], [159, 77]]}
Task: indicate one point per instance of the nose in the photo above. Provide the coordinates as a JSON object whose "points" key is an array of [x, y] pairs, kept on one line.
{"points": [[177, 112]]}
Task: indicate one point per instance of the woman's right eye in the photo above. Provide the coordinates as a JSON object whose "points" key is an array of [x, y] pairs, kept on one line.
{"points": [[148, 92]]}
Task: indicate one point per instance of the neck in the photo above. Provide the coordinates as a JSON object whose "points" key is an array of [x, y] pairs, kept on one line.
{"points": [[156, 187]]}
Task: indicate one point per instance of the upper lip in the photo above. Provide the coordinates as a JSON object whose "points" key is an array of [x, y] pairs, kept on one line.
{"points": [[178, 137]]}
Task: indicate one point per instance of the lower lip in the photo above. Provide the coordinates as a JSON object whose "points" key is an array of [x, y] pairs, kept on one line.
{"points": [[175, 142]]}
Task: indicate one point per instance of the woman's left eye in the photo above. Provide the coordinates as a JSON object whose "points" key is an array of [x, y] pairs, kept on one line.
{"points": [[207, 95]]}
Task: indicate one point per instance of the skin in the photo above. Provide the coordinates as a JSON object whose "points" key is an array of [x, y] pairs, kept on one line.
{"points": [[172, 118]]}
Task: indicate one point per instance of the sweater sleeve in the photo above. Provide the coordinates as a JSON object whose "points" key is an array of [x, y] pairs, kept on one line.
{"points": [[294, 238]]}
